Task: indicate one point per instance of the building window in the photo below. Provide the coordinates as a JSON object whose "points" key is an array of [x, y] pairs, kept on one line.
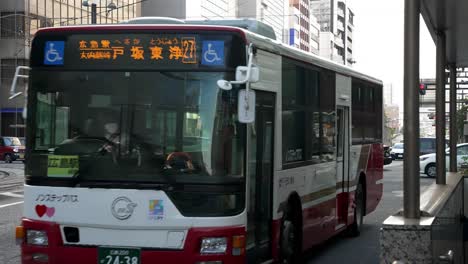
{"points": [[8, 68], [12, 25]]}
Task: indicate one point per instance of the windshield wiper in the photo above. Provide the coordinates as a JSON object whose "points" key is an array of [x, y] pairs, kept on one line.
{"points": [[92, 160]]}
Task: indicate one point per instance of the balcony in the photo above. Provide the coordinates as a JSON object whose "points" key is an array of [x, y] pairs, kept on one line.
{"points": [[340, 26], [341, 13], [339, 42]]}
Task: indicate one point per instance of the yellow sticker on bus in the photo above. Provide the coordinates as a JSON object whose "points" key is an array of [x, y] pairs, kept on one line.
{"points": [[62, 165]]}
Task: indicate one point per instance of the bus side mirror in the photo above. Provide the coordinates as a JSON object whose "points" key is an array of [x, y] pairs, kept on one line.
{"points": [[246, 106], [242, 73]]}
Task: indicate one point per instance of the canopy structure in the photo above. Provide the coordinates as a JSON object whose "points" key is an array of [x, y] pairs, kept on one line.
{"points": [[447, 23], [449, 16]]}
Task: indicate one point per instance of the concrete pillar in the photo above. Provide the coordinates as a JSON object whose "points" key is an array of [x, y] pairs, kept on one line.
{"points": [[453, 118], [411, 110], [440, 108]]}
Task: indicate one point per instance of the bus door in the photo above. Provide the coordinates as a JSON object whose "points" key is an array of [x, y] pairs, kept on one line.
{"points": [[342, 163], [260, 179]]}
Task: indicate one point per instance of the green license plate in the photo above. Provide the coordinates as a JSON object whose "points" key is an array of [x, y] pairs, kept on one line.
{"points": [[118, 255]]}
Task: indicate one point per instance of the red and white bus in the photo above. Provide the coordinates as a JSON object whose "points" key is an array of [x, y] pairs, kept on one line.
{"points": [[189, 143]]}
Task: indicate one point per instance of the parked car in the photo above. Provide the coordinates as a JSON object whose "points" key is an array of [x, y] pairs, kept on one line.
{"points": [[427, 163], [397, 151], [11, 149], [387, 157]]}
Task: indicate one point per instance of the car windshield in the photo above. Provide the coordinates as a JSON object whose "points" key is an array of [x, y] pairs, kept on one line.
{"points": [[398, 146], [136, 126], [12, 141]]}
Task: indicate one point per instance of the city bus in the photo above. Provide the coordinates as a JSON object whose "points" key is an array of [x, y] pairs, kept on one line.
{"points": [[192, 143]]}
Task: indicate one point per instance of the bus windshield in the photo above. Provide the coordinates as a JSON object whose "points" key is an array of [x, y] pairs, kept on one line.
{"points": [[159, 127]]}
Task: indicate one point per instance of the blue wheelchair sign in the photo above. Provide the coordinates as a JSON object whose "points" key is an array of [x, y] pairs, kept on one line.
{"points": [[53, 52], [213, 53]]}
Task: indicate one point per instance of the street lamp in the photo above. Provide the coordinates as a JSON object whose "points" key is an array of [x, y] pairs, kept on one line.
{"points": [[93, 3]]}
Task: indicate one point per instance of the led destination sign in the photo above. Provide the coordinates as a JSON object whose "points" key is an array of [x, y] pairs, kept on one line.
{"points": [[174, 49], [140, 51]]}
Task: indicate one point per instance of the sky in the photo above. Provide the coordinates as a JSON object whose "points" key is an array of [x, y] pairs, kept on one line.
{"points": [[378, 43]]}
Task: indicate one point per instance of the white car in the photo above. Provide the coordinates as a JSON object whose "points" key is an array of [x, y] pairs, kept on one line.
{"points": [[427, 163], [397, 151]]}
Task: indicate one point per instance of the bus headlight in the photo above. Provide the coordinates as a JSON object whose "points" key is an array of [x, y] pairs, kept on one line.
{"points": [[36, 237], [15, 150], [213, 245]]}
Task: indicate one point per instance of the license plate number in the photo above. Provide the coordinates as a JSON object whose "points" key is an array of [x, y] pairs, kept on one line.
{"points": [[118, 255]]}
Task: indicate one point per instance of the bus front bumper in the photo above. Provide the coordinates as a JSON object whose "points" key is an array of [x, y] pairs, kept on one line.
{"points": [[57, 253]]}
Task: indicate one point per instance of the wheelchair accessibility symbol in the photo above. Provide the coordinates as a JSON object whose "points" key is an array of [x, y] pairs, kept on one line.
{"points": [[53, 52], [213, 53]]}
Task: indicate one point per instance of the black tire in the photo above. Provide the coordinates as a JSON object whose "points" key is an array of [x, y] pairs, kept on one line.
{"points": [[290, 238], [8, 158], [431, 170], [355, 228]]}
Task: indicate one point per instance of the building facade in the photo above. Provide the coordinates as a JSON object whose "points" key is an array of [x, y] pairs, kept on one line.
{"points": [[20, 19], [304, 22], [314, 32], [190, 9], [336, 21], [271, 12], [303, 30]]}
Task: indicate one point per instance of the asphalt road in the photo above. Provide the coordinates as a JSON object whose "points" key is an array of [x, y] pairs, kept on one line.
{"points": [[11, 209], [341, 249], [365, 249]]}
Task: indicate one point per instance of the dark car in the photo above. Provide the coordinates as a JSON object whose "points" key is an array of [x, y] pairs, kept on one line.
{"points": [[387, 157], [428, 145], [11, 149]]}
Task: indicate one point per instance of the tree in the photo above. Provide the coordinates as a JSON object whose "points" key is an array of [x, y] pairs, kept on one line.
{"points": [[390, 133]]}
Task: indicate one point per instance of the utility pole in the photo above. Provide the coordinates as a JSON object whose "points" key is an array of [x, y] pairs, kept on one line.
{"points": [[93, 13]]}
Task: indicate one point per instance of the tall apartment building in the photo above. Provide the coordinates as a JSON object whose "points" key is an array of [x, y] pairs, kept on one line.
{"points": [[303, 30], [314, 32], [336, 21], [270, 12], [20, 19], [304, 22]]}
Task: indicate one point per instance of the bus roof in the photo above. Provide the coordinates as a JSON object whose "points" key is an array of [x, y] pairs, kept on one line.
{"points": [[280, 48], [260, 42]]}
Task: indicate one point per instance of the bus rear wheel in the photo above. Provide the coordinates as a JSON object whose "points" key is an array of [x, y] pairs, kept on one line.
{"points": [[290, 239], [355, 229]]}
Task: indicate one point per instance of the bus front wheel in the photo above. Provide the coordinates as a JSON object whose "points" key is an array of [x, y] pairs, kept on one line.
{"points": [[290, 238], [355, 229]]}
